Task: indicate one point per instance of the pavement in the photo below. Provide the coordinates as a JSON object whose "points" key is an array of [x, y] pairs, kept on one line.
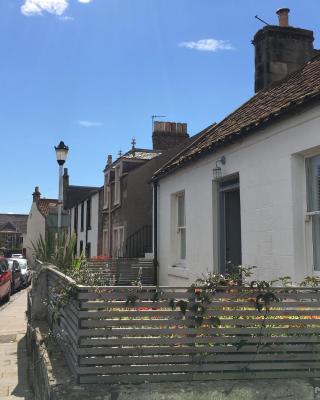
{"points": [[13, 353]]}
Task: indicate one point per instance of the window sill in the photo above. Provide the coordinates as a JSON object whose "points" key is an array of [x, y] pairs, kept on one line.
{"points": [[179, 271]]}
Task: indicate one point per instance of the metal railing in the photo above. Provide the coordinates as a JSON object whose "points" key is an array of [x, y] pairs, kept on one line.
{"points": [[139, 243]]}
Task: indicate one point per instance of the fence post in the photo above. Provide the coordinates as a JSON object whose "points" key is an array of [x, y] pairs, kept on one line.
{"points": [[39, 295]]}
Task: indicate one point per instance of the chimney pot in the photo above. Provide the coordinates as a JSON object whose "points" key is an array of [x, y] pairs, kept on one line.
{"points": [[283, 15], [167, 135], [36, 194]]}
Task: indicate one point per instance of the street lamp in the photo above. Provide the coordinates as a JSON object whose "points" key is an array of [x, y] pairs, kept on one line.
{"points": [[61, 154]]}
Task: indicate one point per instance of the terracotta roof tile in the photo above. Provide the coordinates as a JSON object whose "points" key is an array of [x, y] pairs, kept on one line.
{"points": [[45, 205], [296, 89]]}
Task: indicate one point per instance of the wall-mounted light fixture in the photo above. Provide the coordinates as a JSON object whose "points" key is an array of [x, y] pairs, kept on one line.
{"points": [[217, 172]]}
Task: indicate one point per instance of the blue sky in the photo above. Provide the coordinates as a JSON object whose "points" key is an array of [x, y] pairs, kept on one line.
{"points": [[92, 73]]}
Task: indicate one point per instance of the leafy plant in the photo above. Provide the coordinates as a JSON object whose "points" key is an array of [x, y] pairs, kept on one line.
{"points": [[172, 304], [183, 305], [283, 280], [261, 285], [264, 300], [57, 249], [131, 300], [156, 295], [215, 321], [311, 281]]}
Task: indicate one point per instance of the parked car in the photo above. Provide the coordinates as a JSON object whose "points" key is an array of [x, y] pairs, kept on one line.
{"points": [[16, 256], [16, 276], [25, 271], [5, 280]]}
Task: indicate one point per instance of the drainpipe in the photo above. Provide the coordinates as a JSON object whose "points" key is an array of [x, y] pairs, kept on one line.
{"points": [[155, 231]]}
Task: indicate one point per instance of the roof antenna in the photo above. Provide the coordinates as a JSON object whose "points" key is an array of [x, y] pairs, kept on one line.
{"points": [[257, 17]]}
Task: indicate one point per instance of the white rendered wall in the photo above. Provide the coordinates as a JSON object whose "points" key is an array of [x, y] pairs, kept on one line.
{"points": [[275, 235], [93, 232], [92, 235], [36, 227]]}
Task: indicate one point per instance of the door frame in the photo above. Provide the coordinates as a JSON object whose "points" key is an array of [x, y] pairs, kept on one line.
{"points": [[223, 188]]}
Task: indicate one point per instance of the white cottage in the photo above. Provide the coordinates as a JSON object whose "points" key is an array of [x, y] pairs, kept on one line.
{"points": [[247, 191], [42, 219]]}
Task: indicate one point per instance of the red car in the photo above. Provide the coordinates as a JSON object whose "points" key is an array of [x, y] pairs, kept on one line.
{"points": [[5, 280]]}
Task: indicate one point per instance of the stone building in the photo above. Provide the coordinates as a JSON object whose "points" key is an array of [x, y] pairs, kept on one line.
{"points": [[13, 228], [127, 202]]}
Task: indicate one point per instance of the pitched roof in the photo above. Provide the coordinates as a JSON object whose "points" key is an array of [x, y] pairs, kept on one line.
{"points": [[136, 154], [141, 154], [77, 194], [8, 227], [19, 221], [47, 205], [296, 89]]}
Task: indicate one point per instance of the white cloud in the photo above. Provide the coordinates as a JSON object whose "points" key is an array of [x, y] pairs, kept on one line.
{"points": [[37, 7], [208, 45], [57, 7], [89, 124]]}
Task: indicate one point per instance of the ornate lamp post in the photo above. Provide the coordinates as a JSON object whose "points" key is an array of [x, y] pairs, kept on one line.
{"points": [[61, 154]]}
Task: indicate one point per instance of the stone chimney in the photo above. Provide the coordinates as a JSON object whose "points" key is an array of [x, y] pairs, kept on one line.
{"points": [[167, 135], [109, 162], [280, 50], [36, 195], [65, 178], [65, 183]]}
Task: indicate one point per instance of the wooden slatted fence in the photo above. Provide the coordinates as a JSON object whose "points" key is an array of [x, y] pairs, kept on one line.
{"points": [[123, 271], [111, 341]]}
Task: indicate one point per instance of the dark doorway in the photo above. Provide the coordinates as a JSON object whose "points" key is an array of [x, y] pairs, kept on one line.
{"points": [[230, 224]]}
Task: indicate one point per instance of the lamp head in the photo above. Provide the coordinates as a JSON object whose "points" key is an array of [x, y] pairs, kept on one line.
{"points": [[61, 152]]}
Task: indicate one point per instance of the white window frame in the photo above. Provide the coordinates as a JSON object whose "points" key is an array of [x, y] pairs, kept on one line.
{"points": [[106, 190], [312, 214], [179, 231], [118, 241]]}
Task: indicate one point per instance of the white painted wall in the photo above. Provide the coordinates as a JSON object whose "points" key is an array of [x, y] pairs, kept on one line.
{"points": [[92, 235], [36, 227], [275, 236]]}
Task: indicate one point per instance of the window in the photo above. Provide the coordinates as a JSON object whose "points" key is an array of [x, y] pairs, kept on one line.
{"points": [[88, 225], [117, 185], [88, 250], [75, 220], [105, 244], [106, 191], [179, 228], [313, 205], [3, 266], [118, 242], [81, 247], [82, 216]]}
